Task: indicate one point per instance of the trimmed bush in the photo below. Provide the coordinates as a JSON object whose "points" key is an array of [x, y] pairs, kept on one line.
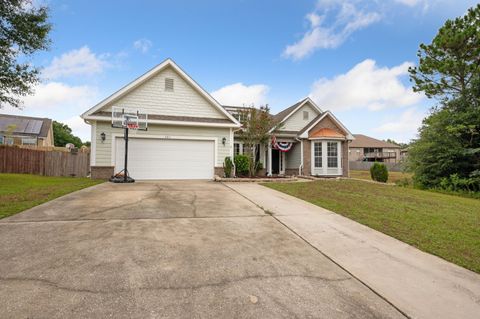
{"points": [[228, 166], [242, 164], [379, 172]]}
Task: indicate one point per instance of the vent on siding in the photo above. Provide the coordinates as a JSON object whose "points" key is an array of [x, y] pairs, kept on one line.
{"points": [[169, 84], [305, 115]]}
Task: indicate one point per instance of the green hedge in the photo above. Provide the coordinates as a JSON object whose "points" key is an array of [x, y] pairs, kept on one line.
{"points": [[242, 163], [379, 172]]}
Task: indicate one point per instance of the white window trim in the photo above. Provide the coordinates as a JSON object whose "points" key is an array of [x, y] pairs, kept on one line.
{"points": [[29, 138], [93, 143], [325, 170]]}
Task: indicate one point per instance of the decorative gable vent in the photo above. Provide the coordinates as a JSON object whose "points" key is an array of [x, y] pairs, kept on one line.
{"points": [[169, 84]]}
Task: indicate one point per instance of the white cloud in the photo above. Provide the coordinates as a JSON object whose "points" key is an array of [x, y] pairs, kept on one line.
{"points": [[76, 62], [55, 95], [240, 94], [142, 45], [60, 102], [403, 127], [347, 18], [79, 127], [365, 86], [410, 3]]}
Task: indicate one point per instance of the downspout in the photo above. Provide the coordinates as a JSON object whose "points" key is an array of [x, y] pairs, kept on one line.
{"points": [[300, 168]]}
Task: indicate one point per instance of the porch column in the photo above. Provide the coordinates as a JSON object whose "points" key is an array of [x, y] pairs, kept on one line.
{"points": [[269, 159]]}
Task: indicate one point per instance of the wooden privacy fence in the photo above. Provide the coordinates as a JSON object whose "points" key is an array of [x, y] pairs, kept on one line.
{"points": [[43, 162]]}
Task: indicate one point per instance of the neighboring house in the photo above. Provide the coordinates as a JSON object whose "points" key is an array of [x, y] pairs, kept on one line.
{"points": [[25, 130], [190, 134], [369, 149]]}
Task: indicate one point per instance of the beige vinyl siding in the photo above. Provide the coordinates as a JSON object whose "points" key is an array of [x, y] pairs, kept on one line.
{"points": [[103, 156], [294, 156], [296, 122], [152, 98]]}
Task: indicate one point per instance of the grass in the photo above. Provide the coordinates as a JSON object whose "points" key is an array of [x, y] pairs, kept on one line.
{"points": [[21, 191], [444, 225], [392, 176]]}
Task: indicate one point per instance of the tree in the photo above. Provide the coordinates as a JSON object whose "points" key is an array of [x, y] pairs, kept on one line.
{"points": [[23, 31], [256, 125], [402, 145], [62, 134], [449, 71], [449, 67]]}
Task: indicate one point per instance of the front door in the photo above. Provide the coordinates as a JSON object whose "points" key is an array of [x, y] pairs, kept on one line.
{"points": [[275, 161]]}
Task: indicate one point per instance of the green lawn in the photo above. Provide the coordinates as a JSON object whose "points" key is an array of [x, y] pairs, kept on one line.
{"points": [[21, 191], [444, 225], [392, 176]]}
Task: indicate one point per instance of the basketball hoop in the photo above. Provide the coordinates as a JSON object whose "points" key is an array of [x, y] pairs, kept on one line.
{"points": [[132, 126], [128, 120]]}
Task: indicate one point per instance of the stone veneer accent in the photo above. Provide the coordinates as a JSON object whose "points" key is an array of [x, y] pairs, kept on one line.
{"points": [[101, 172], [291, 171], [218, 171], [306, 157], [345, 161]]}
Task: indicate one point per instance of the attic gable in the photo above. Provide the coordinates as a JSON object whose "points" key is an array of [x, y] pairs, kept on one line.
{"points": [[165, 91], [294, 119]]}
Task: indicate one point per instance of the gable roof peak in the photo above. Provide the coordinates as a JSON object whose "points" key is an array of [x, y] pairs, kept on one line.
{"points": [[151, 73], [286, 113]]}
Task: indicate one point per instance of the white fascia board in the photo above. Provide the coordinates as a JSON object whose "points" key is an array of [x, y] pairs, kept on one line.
{"points": [[140, 80], [166, 122]]}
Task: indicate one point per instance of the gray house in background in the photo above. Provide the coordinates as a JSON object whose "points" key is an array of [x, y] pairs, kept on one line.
{"points": [[368, 149], [25, 130]]}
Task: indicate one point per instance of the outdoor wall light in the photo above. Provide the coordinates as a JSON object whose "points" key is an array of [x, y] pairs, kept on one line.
{"points": [[224, 140], [103, 136]]}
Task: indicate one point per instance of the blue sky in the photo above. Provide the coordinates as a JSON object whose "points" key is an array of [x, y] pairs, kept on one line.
{"points": [[350, 56]]}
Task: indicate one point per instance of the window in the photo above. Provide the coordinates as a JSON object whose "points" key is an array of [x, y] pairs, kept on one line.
{"points": [[8, 140], [236, 149], [317, 154], [169, 84], [1, 140], [29, 141], [332, 154], [371, 150], [305, 115]]}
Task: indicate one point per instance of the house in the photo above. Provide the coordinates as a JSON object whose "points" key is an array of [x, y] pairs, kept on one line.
{"points": [[25, 130], [368, 149], [190, 134], [313, 142]]}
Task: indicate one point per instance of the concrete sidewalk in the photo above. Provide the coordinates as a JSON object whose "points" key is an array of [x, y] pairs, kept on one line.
{"points": [[419, 284]]}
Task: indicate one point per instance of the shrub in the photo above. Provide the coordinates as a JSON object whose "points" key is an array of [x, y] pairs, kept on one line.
{"points": [[228, 166], [379, 172], [242, 164]]}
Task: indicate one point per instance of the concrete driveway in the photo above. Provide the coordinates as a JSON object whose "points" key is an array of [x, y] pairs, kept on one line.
{"points": [[178, 249]]}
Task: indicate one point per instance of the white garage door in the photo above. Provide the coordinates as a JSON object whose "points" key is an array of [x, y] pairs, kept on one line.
{"points": [[150, 158]]}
